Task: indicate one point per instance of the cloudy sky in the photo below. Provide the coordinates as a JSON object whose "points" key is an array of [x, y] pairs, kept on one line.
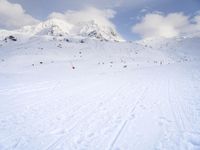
{"points": [[133, 19]]}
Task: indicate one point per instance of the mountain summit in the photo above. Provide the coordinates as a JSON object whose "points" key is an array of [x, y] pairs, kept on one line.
{"points": [[59, 27]]}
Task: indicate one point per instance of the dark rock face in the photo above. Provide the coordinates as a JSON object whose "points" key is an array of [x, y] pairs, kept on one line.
{"points": [[95, 34], [82, 41], [67, 40], [92, 34], [11, 38]]}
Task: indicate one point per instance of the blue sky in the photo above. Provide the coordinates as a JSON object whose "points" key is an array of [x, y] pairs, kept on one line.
{"points": [[126, 17], [129, 12]]}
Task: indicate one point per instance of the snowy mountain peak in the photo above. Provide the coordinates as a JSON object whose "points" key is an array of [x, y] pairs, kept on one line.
{"points": [[93, 30], [59, 27], [54, 27]]}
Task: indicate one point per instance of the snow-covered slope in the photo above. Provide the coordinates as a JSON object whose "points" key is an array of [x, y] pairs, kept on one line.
{"points": [[60, 94]]}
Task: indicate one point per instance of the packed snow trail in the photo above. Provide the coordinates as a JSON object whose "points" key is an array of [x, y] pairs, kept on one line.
{"points": [[160, 120], [124, 98], [140, 109]]}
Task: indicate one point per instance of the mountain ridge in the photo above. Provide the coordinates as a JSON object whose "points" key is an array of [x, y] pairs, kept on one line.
{"points": [[58, 27]]}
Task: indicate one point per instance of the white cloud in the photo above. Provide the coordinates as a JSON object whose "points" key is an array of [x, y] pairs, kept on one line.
{"points": [[171, 25], [101, 17], [13, 15]]}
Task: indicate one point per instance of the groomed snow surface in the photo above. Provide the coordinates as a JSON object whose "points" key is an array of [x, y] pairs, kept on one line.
{"points": [[59, 95]]}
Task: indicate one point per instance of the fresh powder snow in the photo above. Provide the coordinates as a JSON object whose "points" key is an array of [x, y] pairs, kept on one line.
{"points": [[66, 87]]}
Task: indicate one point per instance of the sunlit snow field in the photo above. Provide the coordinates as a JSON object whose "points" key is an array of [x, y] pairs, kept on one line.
{"points": [[59, 95]]}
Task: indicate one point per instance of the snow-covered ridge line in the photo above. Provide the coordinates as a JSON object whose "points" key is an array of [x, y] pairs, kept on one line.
{"points": [[58, 27]]}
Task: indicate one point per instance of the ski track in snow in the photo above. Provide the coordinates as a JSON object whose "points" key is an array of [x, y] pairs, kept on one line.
{"points": [[133, 98]]}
